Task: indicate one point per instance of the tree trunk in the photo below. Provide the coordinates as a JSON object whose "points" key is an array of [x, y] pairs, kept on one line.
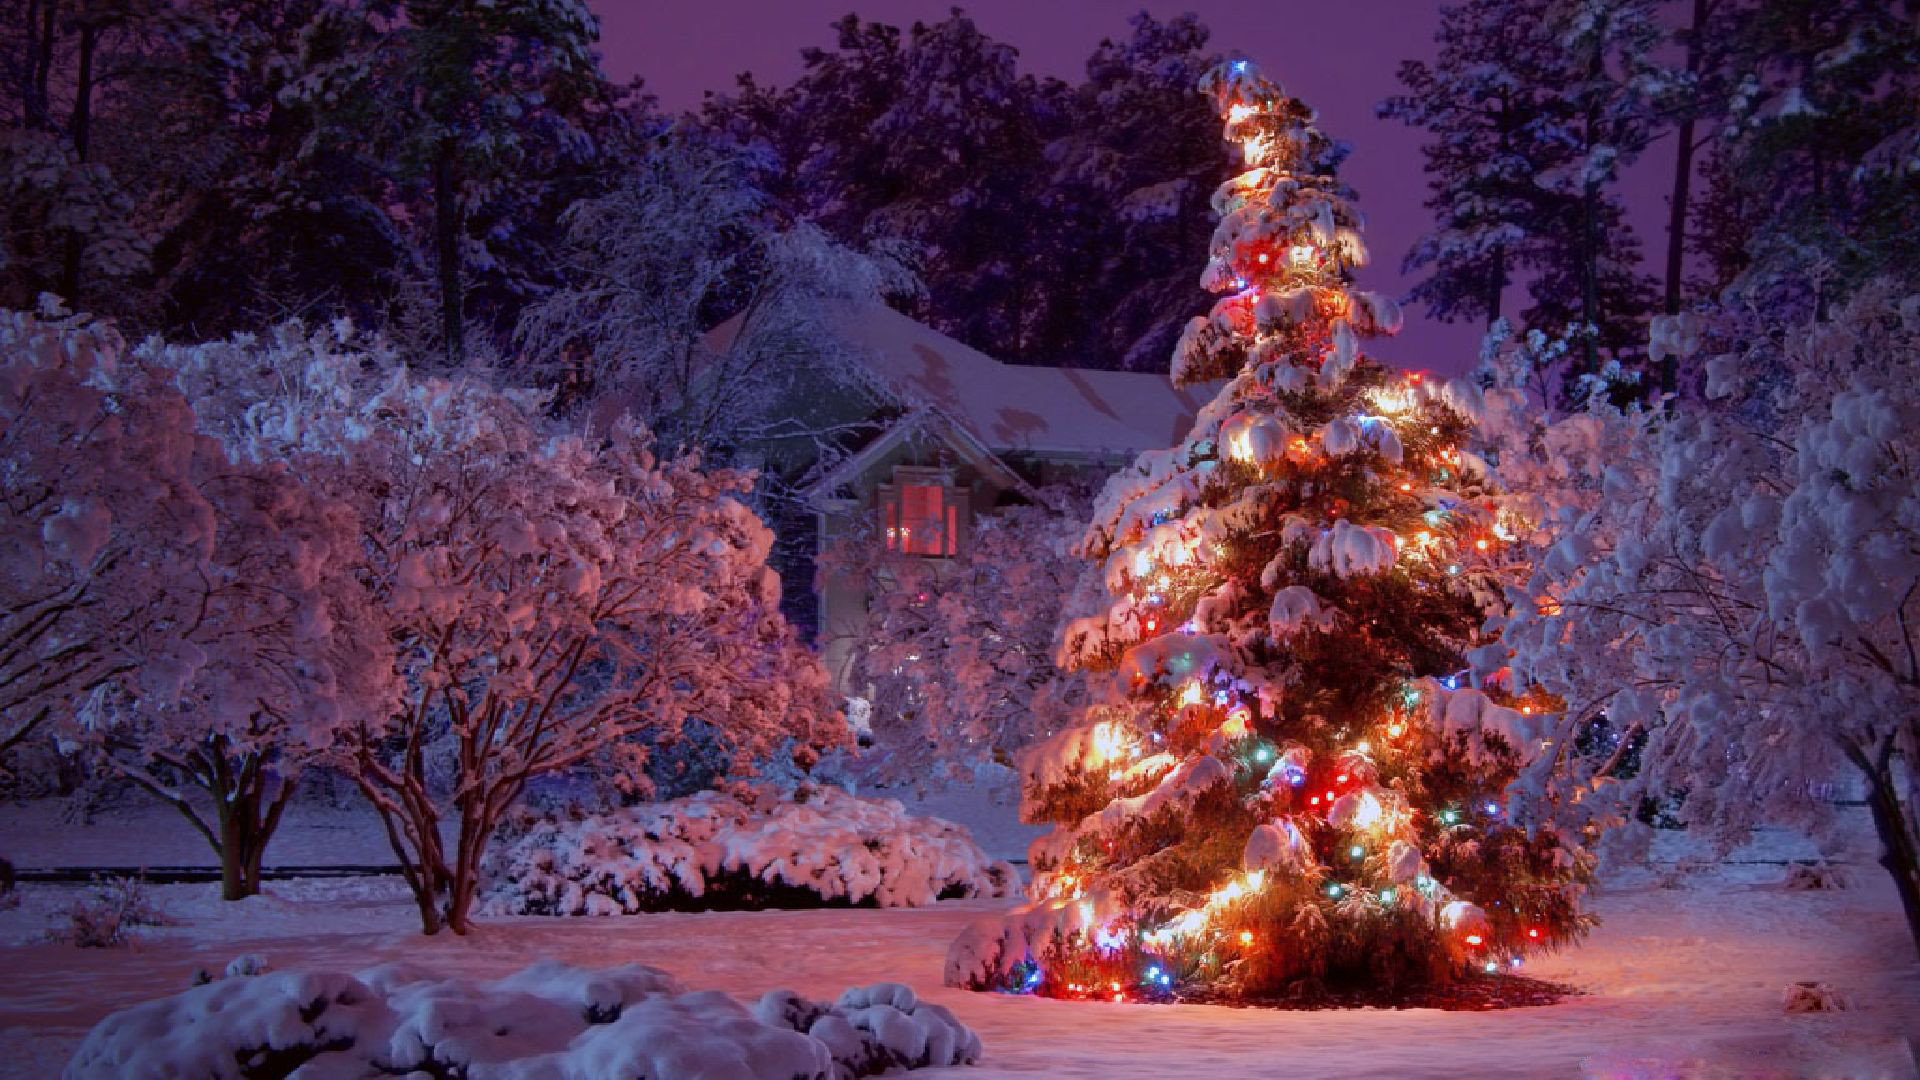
{"points": [[446, 225], [1899, 846], [1496, 285], [39, 110], [474, 830], [82, 118], [412, 822], [1678, 201], [245, 818], [1590, 217]]}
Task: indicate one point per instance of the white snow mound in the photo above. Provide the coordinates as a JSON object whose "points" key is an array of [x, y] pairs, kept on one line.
{"points": [[549, 1020]]}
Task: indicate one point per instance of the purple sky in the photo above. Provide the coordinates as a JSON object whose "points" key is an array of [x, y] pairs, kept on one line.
{"points": [[1340, 57]]}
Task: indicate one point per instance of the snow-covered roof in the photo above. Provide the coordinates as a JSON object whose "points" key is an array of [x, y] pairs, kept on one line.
{"points": [[1011, 407]]}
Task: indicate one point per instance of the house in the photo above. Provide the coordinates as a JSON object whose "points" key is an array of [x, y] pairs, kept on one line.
{"points": [[970, 433]]}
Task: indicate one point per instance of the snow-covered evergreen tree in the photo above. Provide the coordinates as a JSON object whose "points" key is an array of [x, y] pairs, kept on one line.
{"points": [[1281, 789], [448, 101], [1026, 201], [1534, 107], [1811, 188], [1126, 206]]}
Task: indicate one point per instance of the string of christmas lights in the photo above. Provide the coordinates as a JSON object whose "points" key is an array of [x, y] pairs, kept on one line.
{"points": [[1286, 786]]}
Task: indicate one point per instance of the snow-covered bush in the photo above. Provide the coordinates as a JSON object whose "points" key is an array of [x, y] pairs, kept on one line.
{"points": [[956, 655], [547, 1020], [715, 851], [187, 616], [107, 917], [1738, 581], [106, 538], [555, 601]]}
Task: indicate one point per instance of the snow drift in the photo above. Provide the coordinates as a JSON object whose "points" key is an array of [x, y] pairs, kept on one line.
{"points": [[623, 1023]]}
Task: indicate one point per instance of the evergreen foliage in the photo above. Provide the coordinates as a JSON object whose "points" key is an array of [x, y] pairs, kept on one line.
{"points": [[1280, 790]]}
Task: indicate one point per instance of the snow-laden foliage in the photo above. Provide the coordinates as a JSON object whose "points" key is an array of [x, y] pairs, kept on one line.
{"points": [[107, 536], [1533, 107], [1279, 786], [686, 234], [552, 601], [545, 1020], [1736, 583], [956, 656], [817, 846], [195, 614], [1810, 181], [1027, 201]]}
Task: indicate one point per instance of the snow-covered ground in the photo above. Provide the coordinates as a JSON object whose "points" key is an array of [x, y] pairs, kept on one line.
{"points": [[1680, 982]]}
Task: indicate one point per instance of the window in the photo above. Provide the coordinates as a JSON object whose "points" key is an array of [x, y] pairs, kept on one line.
{"points": [[921, 518]]}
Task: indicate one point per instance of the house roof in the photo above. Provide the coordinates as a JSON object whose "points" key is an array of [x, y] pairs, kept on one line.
{"points": [[1012, 408]]}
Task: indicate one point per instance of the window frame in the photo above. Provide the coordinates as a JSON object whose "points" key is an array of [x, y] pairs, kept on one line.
{"points": [[955, 505]]}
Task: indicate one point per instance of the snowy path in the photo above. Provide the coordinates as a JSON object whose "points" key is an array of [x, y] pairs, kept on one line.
{"points": [[1681, 983]]}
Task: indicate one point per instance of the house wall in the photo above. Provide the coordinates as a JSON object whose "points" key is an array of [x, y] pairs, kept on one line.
{"points": [[843, 599]]}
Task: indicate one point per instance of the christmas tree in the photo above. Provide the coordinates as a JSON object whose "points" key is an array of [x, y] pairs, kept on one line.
{"points": [[1283, 790]]}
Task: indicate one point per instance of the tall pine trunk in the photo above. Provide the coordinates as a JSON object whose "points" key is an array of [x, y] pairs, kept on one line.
{"points": [[1496, 284], [446, 227], [1678, 201], [40, 37], [1590, 219], [82, 121]]}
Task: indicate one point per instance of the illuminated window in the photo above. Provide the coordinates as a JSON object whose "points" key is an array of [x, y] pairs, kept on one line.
{"points": [[921, 518]]}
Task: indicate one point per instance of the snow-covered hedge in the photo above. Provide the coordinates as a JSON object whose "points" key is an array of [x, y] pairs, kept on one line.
{"points": [[623, 1023], [819, 847]]}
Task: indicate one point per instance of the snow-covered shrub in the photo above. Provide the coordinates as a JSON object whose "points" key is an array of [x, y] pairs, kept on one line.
{"points": [[556, 601], [956, 655], [106, 918], [107, 540], [715, 851], [1737, 582], [546, 1020], [185, 612]]}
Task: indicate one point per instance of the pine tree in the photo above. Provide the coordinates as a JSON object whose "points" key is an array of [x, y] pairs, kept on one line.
{"points": [[1816, 162], [1534, 107], [1281, 789], [453, 102], [1126, 206]]}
